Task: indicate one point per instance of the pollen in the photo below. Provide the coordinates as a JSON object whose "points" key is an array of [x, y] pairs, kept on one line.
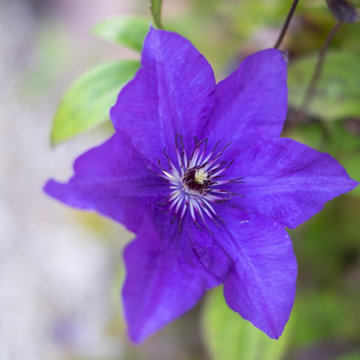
{"points": [[201, 176]]}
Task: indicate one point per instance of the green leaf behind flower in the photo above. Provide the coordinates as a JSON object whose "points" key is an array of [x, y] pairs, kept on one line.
{"points": [[88, 101], [128, 31], [230, 337]]}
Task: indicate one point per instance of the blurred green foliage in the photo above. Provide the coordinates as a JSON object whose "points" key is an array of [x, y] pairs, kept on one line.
{"points": [[350, 356], [338, 92], [228, 336]]}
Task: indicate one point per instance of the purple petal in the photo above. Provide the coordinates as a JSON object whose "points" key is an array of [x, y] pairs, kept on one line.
{"points": [[173, 93], [167, 274], [252, 101], [286, 180], [111, 179], [261, 284]]}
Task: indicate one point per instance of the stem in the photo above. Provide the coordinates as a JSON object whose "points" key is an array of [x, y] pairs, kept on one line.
{"points": [[286, 24], [318, 69]]}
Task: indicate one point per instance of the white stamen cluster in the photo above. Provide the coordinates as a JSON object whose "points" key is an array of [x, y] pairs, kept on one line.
{"points": [[194, 182], [201, 176]]}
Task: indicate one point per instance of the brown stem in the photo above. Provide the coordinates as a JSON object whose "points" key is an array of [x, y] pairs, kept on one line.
{"points": [[286, 24], [318, 70]]}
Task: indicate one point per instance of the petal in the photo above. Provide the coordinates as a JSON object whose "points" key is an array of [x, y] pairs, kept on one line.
{"points": [[252, 101], [287, 181], [261, 284], [172, 94], [111, 179], [167, 275]]}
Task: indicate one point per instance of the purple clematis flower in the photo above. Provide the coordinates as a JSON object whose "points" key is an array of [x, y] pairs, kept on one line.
{"points": [[198, 172]]}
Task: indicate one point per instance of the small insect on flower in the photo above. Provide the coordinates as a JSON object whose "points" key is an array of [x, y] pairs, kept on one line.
{"points": [[198, 172]]}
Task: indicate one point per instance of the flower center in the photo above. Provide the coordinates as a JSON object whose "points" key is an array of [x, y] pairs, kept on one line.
{"points": [[196, 182], [197, 179]]}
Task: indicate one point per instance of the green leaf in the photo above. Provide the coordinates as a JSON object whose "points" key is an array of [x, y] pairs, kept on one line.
{"points": [[230, 337], [88, 101], [124, 30], [338, 91], [155, 8]]}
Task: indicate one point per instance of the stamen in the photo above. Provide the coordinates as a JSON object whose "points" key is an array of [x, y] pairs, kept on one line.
{"points": [[194, 182]]}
